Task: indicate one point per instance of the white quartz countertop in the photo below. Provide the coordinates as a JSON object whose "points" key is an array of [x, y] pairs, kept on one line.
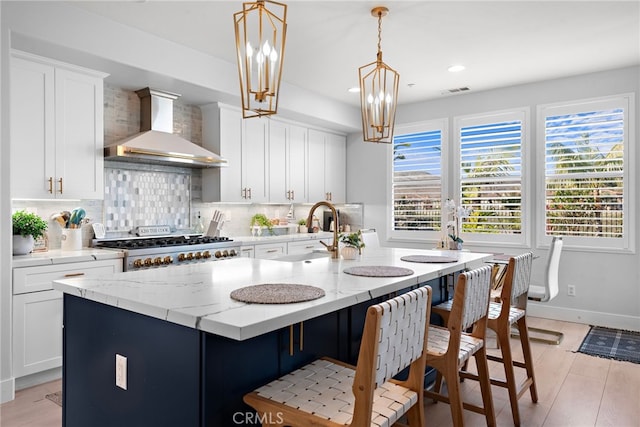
{"points": [[197, 295], [57, 256], [294, 237]]}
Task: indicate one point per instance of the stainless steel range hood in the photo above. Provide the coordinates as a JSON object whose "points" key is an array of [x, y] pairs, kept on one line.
{"points": [[156, 143]]}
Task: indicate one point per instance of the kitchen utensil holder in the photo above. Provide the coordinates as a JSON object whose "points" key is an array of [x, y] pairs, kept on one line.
{"points": [[71, 239]]}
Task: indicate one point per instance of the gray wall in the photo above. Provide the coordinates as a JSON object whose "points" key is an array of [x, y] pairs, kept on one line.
{"points": [[607, 284]]}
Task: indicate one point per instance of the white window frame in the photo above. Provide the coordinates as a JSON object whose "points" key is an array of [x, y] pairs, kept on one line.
{"points": [[431, 125], [522, 114], [625, 244]]}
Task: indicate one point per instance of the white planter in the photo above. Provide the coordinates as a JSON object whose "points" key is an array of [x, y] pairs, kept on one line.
{"points": [[22, 245], [349, 252], [303, 229]]}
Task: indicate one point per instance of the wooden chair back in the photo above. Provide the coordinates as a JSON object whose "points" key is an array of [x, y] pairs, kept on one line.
{"points": [[394, 337], [517, 281]]}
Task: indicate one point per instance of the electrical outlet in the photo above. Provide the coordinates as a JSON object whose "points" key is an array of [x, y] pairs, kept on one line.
{"points": [[571, 290], [121, 371]]}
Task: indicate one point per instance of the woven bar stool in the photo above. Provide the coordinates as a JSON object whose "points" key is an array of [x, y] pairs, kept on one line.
{"points": [[327, 392], [510, 311], [449, 348]]}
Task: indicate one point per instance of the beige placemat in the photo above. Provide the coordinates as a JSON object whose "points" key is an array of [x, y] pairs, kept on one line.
{"points": [[428, 258], [277, 293], [378, 271]]}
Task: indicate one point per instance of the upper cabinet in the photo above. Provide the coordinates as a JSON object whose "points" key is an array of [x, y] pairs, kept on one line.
{"points": [[327, 166], [57, 134], [270, 160], [244, 144], [287, 162]]}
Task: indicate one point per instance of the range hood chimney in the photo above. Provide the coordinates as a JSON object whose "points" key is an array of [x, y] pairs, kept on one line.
{"points": [[156, 142]]}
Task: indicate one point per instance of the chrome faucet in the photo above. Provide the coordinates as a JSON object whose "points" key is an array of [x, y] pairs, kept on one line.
{"points": [[333, 248]]}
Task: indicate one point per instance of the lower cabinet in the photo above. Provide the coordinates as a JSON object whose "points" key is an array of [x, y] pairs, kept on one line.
{"points": [[37, 332], [37, 312], [306, 246], [271, 250]]}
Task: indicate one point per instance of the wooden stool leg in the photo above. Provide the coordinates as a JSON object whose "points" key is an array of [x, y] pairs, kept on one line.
{"points": [[528, 358], [507, 358], [485, 386], [453, 390]]}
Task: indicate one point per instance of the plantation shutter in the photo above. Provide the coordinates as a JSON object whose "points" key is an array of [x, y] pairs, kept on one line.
{"points": [[491, 174], [417, 181], [584, 173]]}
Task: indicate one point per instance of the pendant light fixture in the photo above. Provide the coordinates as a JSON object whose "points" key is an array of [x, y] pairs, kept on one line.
{"points": [[260, 40], [378, 93]]}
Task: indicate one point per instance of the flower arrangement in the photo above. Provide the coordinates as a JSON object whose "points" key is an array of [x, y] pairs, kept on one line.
{"points": [[28, 224], [456, 215], [352, 239]]}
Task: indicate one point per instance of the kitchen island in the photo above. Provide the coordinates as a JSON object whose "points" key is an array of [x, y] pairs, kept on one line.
{"points": [[192, 351]]}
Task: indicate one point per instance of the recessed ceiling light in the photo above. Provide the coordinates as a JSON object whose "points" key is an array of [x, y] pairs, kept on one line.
{"points": [[354, 89], [455, 68]]}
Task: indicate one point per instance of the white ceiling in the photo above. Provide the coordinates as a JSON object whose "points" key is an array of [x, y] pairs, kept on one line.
{"points": [[501, 43]]}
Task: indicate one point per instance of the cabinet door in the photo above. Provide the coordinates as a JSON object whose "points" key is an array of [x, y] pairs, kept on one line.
{"points": [[306, 246], [279, 190], [335, 168], [247, 251], [316, 166], [79, 135], [254, 159], [37, 332], [297, 163], [32, 129]]}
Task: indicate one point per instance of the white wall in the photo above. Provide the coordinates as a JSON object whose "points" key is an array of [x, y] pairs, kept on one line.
{"points": [[607, 285]]}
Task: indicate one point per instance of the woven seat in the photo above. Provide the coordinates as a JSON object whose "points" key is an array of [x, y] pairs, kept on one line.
{"points": [[511, 310], [328, 392], [448, 349]]}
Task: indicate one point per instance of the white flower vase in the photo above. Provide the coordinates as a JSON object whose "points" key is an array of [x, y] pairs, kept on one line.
{"points": [[455, 246], [349, 252], [22, 245]]}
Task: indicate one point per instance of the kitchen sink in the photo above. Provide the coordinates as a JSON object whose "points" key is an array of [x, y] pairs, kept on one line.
{"points": [[304, 257]]}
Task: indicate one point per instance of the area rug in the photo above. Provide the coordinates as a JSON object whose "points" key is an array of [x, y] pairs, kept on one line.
{"points": [[55, 397], [612, 344]]}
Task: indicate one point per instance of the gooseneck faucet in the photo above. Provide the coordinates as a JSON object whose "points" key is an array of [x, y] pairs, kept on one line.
{"points": [[333, 248]]}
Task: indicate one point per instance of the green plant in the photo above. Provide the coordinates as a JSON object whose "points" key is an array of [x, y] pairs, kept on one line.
{"points": [[352, 239], [28, 224], [261, 220], [302, 222]]}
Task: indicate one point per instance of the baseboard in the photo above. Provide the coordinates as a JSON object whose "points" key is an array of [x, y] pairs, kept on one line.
{"points": [[7, 390], [38, 378], [608, 320]]}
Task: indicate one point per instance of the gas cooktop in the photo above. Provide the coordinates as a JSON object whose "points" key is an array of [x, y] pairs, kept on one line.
{"points": [[158, 242]]}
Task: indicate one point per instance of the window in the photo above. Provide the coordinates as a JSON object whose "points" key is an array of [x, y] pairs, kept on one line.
{"points": [[585, 148], [416, 181], [490, 175]]}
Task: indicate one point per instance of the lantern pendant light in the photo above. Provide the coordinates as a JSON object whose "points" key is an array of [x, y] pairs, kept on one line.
{"points": [[378, 93], [260, 42]]}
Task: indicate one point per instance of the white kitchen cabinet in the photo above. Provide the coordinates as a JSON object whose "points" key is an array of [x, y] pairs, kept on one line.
{"points": [[271, 250], [37, 312], [244, 144], [287, 162], [57, 135], [247, 251], [306, 246], [326, 167]]}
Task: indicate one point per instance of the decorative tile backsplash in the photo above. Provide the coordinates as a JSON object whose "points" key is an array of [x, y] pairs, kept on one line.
{"points": [[146, 197]]}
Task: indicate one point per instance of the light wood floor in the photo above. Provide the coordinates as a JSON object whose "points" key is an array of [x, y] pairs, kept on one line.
{"points": [[574, 390]]}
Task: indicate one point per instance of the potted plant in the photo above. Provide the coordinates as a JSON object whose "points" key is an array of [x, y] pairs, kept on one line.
{"points": [[26, 228], [353, 245], [302, 226], [259, 221], [454, 226]]}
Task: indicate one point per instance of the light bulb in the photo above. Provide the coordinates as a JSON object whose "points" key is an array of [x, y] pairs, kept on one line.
{"points": [[370, 99], [249, 50], [273, 56], [266, 49]]}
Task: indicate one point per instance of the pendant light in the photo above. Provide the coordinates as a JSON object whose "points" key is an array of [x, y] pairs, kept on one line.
{"points": [[260, 40], [378, 93]]}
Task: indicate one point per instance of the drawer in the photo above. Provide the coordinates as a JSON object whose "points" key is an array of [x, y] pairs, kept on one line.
{"points": [[305, 246], [273, 250], [31, 279]]}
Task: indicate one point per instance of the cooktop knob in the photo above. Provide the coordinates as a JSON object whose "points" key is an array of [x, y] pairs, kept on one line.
{"points": [[218, 254], [225, 253], [157, 261], [181, 257], [167, 260], [198, 255], [206, 254], [190, 256], [147, 262], [137, 263], [233, 252]]}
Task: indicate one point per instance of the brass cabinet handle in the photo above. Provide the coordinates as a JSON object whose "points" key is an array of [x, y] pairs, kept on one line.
{"points": [[270, 251], [249, 193], [50, 185], [60, 181], [244, 193], [301, 335], [73, 274], [291, 340], [293, 194]]}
